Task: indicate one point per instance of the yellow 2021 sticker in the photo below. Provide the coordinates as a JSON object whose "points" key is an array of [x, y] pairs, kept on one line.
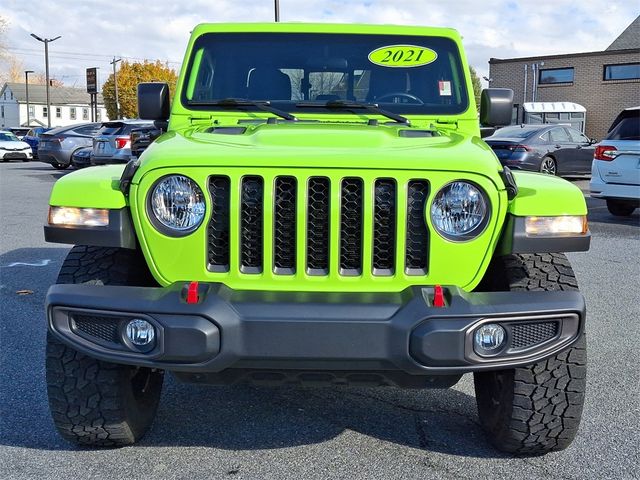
{"points": [[402, 56]]}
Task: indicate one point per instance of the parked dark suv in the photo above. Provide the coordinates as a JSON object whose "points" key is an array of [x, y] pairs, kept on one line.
{"points": [[56, 146], [112, 144]]}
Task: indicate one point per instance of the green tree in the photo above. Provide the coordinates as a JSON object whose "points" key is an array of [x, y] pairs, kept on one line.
{"points": [[130, 74], [477, 87]]}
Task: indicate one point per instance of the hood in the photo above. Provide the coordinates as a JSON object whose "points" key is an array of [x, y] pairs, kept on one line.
{"points": [[14, 145], [322, 145]]}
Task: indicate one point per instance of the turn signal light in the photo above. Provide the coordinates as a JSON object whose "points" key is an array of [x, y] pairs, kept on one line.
{"points": [[556, 226]]}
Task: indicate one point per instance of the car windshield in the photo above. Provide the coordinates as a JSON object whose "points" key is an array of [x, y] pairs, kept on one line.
{"points": [[514, 132], [8, 137], [627, 129], [403, 74]]}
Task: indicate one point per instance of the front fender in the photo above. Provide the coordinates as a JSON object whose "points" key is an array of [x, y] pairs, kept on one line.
{"points": [[95, 187], [544, 195]]}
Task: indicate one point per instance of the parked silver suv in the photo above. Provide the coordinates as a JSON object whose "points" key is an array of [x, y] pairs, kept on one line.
{"points": [[112, 144], [615, 172]]}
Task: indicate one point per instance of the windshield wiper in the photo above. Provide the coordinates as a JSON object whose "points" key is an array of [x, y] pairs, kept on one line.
{"points": [[351, 105], [263, 105]]}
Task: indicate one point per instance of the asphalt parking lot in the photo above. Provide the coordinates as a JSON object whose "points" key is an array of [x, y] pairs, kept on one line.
{"points": [[254, 432]]}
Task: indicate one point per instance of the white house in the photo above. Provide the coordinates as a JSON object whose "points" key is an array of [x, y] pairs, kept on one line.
{"points": [[68, 106]]}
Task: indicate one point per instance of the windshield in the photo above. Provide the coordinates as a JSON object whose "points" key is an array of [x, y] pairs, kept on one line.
{"points": [[8, 137], [403, 74]]}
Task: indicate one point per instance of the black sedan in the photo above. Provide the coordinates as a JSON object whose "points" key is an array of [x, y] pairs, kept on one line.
{"points": [[551, 149]]}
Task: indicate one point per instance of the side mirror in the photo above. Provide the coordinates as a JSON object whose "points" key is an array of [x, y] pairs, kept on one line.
{"points": [[153, 101], [496, 107], [592, 141]]}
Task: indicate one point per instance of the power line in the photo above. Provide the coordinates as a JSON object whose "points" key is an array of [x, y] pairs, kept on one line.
{"points": [[81, 55]]}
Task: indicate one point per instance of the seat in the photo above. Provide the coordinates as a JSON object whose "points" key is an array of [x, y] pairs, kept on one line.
{"points": [[267, 83]]}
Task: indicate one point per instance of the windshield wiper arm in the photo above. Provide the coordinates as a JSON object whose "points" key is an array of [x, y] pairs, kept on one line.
{"points": [[350, 105], [263, 105]]}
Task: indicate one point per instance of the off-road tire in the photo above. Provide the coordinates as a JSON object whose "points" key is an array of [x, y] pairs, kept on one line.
{"points": [[619, 209], [92, 402], [535, 409]]}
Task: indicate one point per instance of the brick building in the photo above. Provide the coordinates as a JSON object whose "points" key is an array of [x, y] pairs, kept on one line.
{"points": [[603, 82]]}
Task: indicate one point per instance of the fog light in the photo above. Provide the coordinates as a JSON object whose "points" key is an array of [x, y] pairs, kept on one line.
{"points": [[488, 338], [140, 332]]}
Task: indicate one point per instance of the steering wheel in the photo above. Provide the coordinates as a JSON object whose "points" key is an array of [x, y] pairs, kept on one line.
{"points": [[413, 99]]}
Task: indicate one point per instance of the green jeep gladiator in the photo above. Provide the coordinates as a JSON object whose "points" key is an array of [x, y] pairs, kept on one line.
{"points": [[320, 208]]}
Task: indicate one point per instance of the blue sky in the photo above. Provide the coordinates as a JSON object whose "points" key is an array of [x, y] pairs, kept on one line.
{"points": [[95, 30]]}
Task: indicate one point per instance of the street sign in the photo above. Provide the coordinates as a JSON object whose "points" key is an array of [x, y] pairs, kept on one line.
{"points": [[92, 80]]}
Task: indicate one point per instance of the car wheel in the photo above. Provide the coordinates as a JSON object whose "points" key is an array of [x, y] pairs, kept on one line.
{"points": [[619, 209], [60, 166], [92, 402], [549, 166]]}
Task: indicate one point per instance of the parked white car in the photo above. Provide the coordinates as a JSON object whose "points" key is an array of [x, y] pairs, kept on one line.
{"points": [[615, 171], [11, 148]]}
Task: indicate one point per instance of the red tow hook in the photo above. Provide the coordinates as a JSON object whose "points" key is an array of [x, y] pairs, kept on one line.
{"points": [[192, 293], [438, 296]]}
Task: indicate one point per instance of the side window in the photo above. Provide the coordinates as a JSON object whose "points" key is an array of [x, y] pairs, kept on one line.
{"points": [[577, 137], [545, 137], [559, 135], [90, 130]]}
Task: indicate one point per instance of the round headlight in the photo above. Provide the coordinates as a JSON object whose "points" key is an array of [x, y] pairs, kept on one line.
{"points": [[459, 211], [176, 205]]}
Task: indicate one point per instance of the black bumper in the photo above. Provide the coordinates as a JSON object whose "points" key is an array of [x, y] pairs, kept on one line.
{"points": [[230, 329]]}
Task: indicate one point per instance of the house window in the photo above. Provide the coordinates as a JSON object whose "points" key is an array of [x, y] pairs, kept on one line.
{"points": [[32, 111], [45, 113], [628, 71], [556, 75], [58, 112], [72, 113], [85, 114], [2, 111]]}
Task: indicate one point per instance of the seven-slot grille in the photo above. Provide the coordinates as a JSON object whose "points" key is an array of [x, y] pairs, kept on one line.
{"points": [[310, 223]]}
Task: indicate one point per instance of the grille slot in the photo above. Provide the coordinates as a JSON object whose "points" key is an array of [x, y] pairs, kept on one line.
{"points": [[525, 335], [384, 227], [351, 197], [102, 328], [417, 247], [318, 201], [251, 220], [284, 225], [218, 233]]}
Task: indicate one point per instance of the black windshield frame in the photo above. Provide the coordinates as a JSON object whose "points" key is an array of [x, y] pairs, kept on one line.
{"points": [[227, 48]]}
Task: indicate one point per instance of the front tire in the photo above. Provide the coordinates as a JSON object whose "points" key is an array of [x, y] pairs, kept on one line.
{"points": [[534, 409], [93, 402], [619, 208]]}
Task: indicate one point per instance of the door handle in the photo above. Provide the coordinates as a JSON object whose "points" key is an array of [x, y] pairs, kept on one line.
{"points": [[558, 146]]}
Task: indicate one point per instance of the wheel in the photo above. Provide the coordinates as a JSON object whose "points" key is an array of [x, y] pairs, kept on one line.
{"points": [[619, 208], [534, 409], [93, 402], [548, 166], [393, 95], [60, 166]]}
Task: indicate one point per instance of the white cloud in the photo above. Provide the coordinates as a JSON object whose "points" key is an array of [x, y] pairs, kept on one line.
{"points": [[94, 31]]}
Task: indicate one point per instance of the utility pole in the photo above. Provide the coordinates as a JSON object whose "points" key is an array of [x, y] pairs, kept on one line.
{"points": [[277, 9], [26, 86], [46, 69], [115, 83]]}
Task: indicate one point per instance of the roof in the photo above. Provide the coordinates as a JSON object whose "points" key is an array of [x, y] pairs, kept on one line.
{"points": [[553, 107], [564, 55], [58, 95], [630, 38]]}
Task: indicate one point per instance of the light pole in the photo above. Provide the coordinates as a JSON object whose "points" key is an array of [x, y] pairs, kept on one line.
{"points": [[26, 87], [46, 70], [277, 9], [115, 84]]}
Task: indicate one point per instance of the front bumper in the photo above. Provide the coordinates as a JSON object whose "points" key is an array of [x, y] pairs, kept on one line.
{"points": [[230, 329]]}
